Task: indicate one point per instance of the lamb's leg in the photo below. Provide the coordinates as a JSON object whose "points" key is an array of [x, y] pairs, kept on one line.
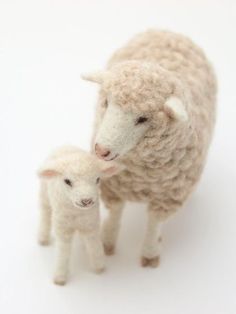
{"points": [[95, 251], [45, 219], [63, 249], [152, 241], [111, 227]]}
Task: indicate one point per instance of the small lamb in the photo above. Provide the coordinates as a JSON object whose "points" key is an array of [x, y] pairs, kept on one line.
{"points": [[69, 198]]}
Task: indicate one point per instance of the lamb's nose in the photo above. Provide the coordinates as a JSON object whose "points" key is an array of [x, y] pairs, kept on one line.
{"points": [[101, 151], [86, 201]]}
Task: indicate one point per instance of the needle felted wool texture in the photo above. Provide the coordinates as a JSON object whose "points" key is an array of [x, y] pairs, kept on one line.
{"points": [[166, 158], [69, 199]]}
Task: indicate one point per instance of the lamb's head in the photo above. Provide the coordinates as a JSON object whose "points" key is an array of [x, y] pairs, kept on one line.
{"points": [[136, 97], [75, 177]]}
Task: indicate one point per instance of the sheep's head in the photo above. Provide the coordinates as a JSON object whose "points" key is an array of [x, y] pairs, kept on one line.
{"points": [[76, 177], [136, 97]]}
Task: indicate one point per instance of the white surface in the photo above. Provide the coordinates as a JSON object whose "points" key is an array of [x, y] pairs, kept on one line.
{"points": [[44, 46]]}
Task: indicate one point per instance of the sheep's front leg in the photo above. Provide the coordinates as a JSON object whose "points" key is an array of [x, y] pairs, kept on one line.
{"points": [[111, 227], [95, 251], [63, 250], [152, 241]]}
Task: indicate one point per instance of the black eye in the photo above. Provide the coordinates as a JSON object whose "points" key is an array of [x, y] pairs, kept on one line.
{"points": [[68, 182], [141, 120], [98, 180], [105, 103]]}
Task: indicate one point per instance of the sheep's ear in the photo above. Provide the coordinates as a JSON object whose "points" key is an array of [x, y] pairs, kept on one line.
{"points": [[48, 170], [109, 169], [175, 109], [96, 77]]}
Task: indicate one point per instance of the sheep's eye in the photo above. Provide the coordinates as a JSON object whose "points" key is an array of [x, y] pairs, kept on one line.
{"points": [[141, 120], [98, 180], [68, 182]]}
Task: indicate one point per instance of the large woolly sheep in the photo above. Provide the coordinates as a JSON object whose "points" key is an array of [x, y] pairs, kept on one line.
{"points": [[156, 113], [69, 197]]}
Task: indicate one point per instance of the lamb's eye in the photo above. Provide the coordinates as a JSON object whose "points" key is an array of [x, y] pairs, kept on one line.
{"points": [[105, 103], [68, 182], [98, 180], [141, 120]]}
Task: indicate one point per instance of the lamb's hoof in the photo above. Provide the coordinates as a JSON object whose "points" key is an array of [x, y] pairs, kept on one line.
{"points": [[109, 249], [150, 262], [99, 270], [44, 242], [59, 280]]}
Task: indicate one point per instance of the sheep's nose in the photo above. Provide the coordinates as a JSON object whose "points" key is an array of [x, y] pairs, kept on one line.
{"points": [[101, 151], [86, 201]]}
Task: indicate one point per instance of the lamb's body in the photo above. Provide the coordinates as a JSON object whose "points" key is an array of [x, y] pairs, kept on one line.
{"points": [[66, 221]]}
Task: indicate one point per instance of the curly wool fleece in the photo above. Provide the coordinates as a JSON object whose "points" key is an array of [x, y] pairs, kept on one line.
{"points": [[168, 160]]}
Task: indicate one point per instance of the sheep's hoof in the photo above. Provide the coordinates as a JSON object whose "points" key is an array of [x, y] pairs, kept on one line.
{"points": [[44, 242], [59, 280], [150, 262], [109, 249]]}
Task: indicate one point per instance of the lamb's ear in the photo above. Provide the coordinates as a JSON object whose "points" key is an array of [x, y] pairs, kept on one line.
{"points": [[175, 109], [109, 169], [96, 77], [49, 170]]}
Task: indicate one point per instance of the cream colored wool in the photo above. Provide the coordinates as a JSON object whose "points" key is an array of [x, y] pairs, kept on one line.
{"points": [[69, 197], [165, 78]]}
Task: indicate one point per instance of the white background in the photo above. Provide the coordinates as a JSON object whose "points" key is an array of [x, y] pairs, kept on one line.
{"points": [[44, 47]]}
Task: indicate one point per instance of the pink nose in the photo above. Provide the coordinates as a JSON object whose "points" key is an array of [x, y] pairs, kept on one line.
{"points": [[101, 151]]}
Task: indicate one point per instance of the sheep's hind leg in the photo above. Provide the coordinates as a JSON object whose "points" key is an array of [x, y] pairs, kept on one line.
{"points": [[111, 226], [152, 241]]}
